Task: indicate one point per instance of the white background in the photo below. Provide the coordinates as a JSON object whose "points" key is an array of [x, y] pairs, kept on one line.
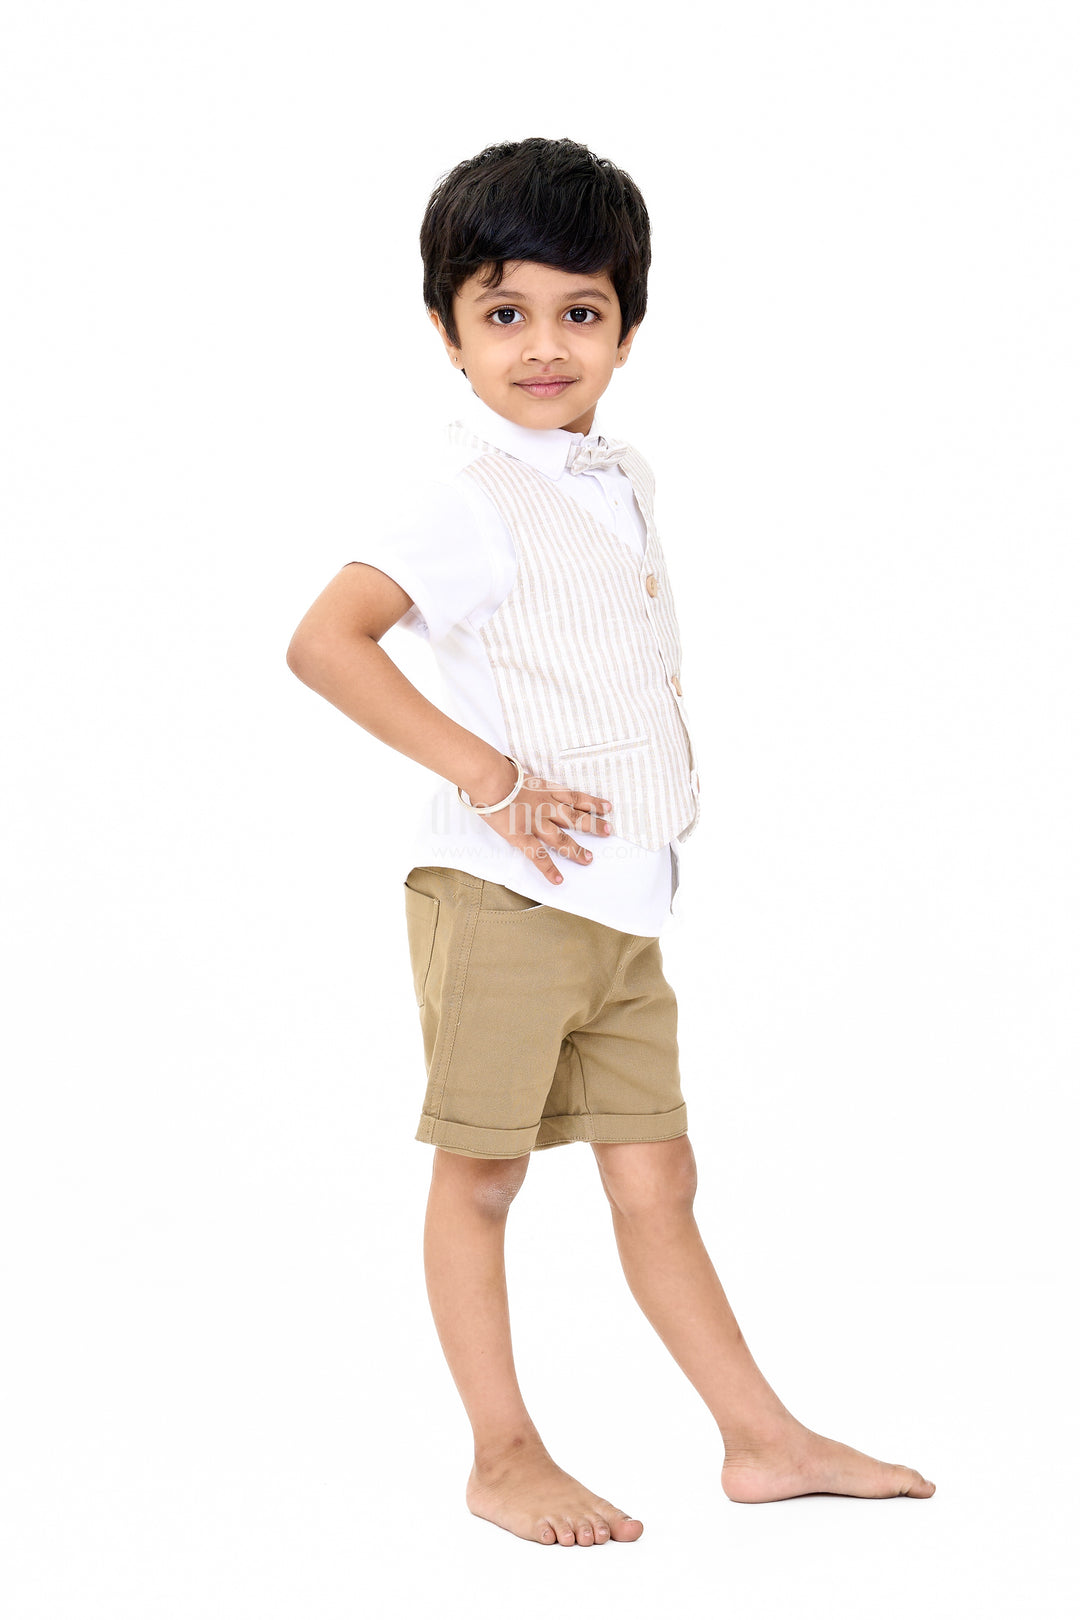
{"points": [[222, 1391]]}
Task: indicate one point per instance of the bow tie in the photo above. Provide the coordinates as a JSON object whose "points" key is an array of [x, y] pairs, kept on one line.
{"points": [[589, 458]]}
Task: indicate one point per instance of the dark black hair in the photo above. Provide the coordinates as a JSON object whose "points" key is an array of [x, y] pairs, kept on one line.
{"points": [[551, 202]]}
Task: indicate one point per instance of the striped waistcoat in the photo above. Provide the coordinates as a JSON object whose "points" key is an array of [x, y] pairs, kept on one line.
{"points": [[585, 651]]}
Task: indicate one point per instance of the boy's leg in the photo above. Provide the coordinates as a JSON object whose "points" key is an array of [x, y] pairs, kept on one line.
{"points": [[769, 1454], [514, 1481]]}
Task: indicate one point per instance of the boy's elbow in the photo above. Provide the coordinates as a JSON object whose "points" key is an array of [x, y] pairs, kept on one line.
{"points": [[305, 658], [316, 658], [295, 656]]}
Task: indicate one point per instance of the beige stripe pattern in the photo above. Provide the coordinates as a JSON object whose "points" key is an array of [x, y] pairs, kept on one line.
{"points": [[585, 650]]}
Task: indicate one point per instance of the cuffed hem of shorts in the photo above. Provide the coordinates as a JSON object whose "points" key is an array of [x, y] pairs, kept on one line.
{"points": [[553, 1131]]}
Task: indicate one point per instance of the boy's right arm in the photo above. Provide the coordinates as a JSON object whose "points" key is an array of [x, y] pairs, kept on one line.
{"points": [[335, 650]]}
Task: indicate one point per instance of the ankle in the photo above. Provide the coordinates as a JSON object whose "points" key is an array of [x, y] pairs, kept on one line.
{"points": [[748, 1443], [493, 1453]]}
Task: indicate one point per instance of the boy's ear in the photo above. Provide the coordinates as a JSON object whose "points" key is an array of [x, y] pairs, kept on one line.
{"points": [[451, 348], [433, 316], [624, 346]]}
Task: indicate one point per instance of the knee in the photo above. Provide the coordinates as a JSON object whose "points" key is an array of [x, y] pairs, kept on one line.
{"points": [[488, 1186], [648, 1178]]}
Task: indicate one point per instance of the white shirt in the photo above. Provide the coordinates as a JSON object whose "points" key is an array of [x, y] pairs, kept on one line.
{"points": [[453, 555]]}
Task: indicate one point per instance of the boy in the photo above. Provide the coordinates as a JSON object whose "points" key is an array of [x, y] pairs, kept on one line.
{"points": [[533, 567]]}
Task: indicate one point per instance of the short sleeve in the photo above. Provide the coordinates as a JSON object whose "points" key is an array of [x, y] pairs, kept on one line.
{"points": [[440, 556]]}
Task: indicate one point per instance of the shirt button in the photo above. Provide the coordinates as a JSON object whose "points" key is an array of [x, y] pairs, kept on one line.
{"points": [[652, 585]]}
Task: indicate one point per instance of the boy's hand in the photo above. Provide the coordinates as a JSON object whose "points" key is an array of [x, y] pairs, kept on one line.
{"points": [[537, 820]]}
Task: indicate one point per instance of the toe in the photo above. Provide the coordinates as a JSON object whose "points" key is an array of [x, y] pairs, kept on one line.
{"points": [[601, 1529], [626, 1529], [546, 1532], [566, 1533], [584, 1532]]}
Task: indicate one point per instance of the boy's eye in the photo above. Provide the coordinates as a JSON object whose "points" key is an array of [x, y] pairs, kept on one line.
{"points": [[578, 309]]}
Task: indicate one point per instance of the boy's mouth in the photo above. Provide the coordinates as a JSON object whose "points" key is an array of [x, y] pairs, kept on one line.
{"points": [[547, 387]]}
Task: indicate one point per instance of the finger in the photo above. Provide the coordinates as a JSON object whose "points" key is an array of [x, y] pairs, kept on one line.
{"points": [[543, 862], [568, 818], [592, 821], [562, 794], [589, 801], [557, 837], [570, 849], [583, 820], [593, 810]]}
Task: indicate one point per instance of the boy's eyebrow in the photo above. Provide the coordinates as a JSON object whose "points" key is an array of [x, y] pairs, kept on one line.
{"points": [[503, 293]]}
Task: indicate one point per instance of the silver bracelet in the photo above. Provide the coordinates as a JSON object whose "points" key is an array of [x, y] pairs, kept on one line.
{"points": [[490, 809]]}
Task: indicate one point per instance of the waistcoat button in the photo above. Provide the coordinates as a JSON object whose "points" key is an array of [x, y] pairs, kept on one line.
{"points": [[652, 585]]}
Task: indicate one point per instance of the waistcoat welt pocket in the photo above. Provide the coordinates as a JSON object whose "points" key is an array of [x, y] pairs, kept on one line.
{"points": [[584, 749], [421, 917]]}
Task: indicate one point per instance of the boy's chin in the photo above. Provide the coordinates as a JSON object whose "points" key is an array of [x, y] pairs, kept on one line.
{"points": [[560, 411]]}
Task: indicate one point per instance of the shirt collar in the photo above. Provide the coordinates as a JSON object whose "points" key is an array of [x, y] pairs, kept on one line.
{"points": [[547, 449]]}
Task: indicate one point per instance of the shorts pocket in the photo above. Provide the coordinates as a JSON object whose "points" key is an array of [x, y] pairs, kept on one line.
{"points": [[421, 919], [497, 897]]}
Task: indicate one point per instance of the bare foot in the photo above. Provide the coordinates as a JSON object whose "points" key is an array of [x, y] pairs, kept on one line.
{"points": [[799, 1462], [524, 1491]]}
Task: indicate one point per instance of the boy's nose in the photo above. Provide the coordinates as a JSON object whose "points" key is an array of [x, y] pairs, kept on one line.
{"points": [[545, 345]]}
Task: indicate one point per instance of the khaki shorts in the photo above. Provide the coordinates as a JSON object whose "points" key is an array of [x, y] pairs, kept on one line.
{"points": [[540, 1026]]}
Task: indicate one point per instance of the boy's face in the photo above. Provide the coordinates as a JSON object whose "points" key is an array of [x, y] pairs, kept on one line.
{"points": [[539, 323]]}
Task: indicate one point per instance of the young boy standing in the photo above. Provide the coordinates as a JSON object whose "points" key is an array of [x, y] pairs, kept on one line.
{"points": [[546, 866]]}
